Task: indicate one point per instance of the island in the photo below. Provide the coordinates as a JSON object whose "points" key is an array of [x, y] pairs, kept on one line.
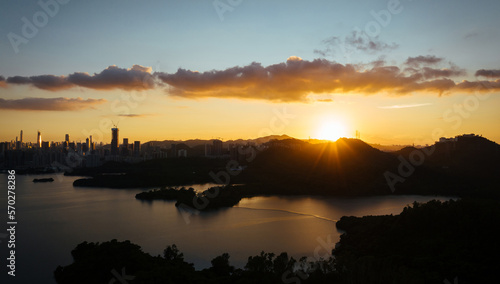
{"points": [[43, 180], [210, 199]]}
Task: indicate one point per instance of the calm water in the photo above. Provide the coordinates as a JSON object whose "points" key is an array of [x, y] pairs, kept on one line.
{"points": [[54, 217]]}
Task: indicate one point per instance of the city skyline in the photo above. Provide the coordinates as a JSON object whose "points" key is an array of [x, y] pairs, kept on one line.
{"points": [[235, 70]]}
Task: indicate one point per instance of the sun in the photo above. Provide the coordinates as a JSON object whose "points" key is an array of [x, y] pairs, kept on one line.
{"points": [[331, 130]]}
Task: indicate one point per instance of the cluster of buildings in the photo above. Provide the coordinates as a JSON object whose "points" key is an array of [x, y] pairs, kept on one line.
{"points": [[57, 156], [61, 155]]}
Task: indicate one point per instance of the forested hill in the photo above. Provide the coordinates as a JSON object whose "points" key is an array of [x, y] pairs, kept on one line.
{"points": [[352, 167]]}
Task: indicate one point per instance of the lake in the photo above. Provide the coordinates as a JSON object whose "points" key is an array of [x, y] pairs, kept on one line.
{"points": [[54, 217]]}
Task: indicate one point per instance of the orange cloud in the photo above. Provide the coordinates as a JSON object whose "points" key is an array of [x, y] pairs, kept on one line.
{"points": [[291, 81], [297, 78]]}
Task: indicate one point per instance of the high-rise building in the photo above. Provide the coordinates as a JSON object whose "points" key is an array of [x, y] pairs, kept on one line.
{"points": [[21, 140], [114, 141], [92, 144], [124, 149], [87, 145], [137, 148], [45, 145], [39, 140], [217, 147], [66, 138]]}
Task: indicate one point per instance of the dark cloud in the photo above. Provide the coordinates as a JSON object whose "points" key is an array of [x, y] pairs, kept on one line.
{"points": [[423, 60], [54, 104], [361, 41], [355, 41], [479, 86], [113, 77], [489, 73], [471, 35], [44, 82], [429, 73]]}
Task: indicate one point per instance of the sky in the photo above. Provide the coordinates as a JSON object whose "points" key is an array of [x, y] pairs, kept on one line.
{"points": [[399, 72]]}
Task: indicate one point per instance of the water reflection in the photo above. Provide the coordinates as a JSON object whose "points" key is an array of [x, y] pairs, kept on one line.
{"points": [[55, 217]]}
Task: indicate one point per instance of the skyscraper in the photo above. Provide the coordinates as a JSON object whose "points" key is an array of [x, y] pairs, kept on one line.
{"points": [[137, 147], [66, 138], [124, 150], [114, 141], [39, 140], [21, 140]]}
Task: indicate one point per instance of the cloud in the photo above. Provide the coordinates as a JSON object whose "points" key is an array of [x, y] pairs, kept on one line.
{"points": [[423, 60], [429, 73], [361, 41], [44, 82], [405, 106], [296, 79], [355, 41], [478, 86], [471, 35], [113, 77], [133, 115], [489, 73], [51, 104]]}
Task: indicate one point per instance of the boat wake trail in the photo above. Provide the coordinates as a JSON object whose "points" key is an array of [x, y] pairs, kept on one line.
{"points": [[288, 211]]}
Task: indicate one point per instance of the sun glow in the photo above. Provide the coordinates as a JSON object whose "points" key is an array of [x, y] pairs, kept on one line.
{"points": [[331, 130]]}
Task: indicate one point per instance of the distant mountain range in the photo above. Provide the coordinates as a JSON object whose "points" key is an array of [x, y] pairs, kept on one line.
{"points": [[197, 142], [261, 140]]}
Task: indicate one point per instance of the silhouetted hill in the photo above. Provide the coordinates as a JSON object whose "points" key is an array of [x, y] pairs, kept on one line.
{"points": [[344, 167], [473, 161], [426, 243], [352, 167]]}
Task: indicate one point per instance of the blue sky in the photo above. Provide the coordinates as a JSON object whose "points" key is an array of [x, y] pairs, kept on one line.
{"points": [[89, 36]]}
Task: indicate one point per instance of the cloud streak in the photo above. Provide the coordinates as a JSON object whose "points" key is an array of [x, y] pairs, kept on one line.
{"points": [[133, 115], [405, 106], [423, 60], [49, 104]]}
